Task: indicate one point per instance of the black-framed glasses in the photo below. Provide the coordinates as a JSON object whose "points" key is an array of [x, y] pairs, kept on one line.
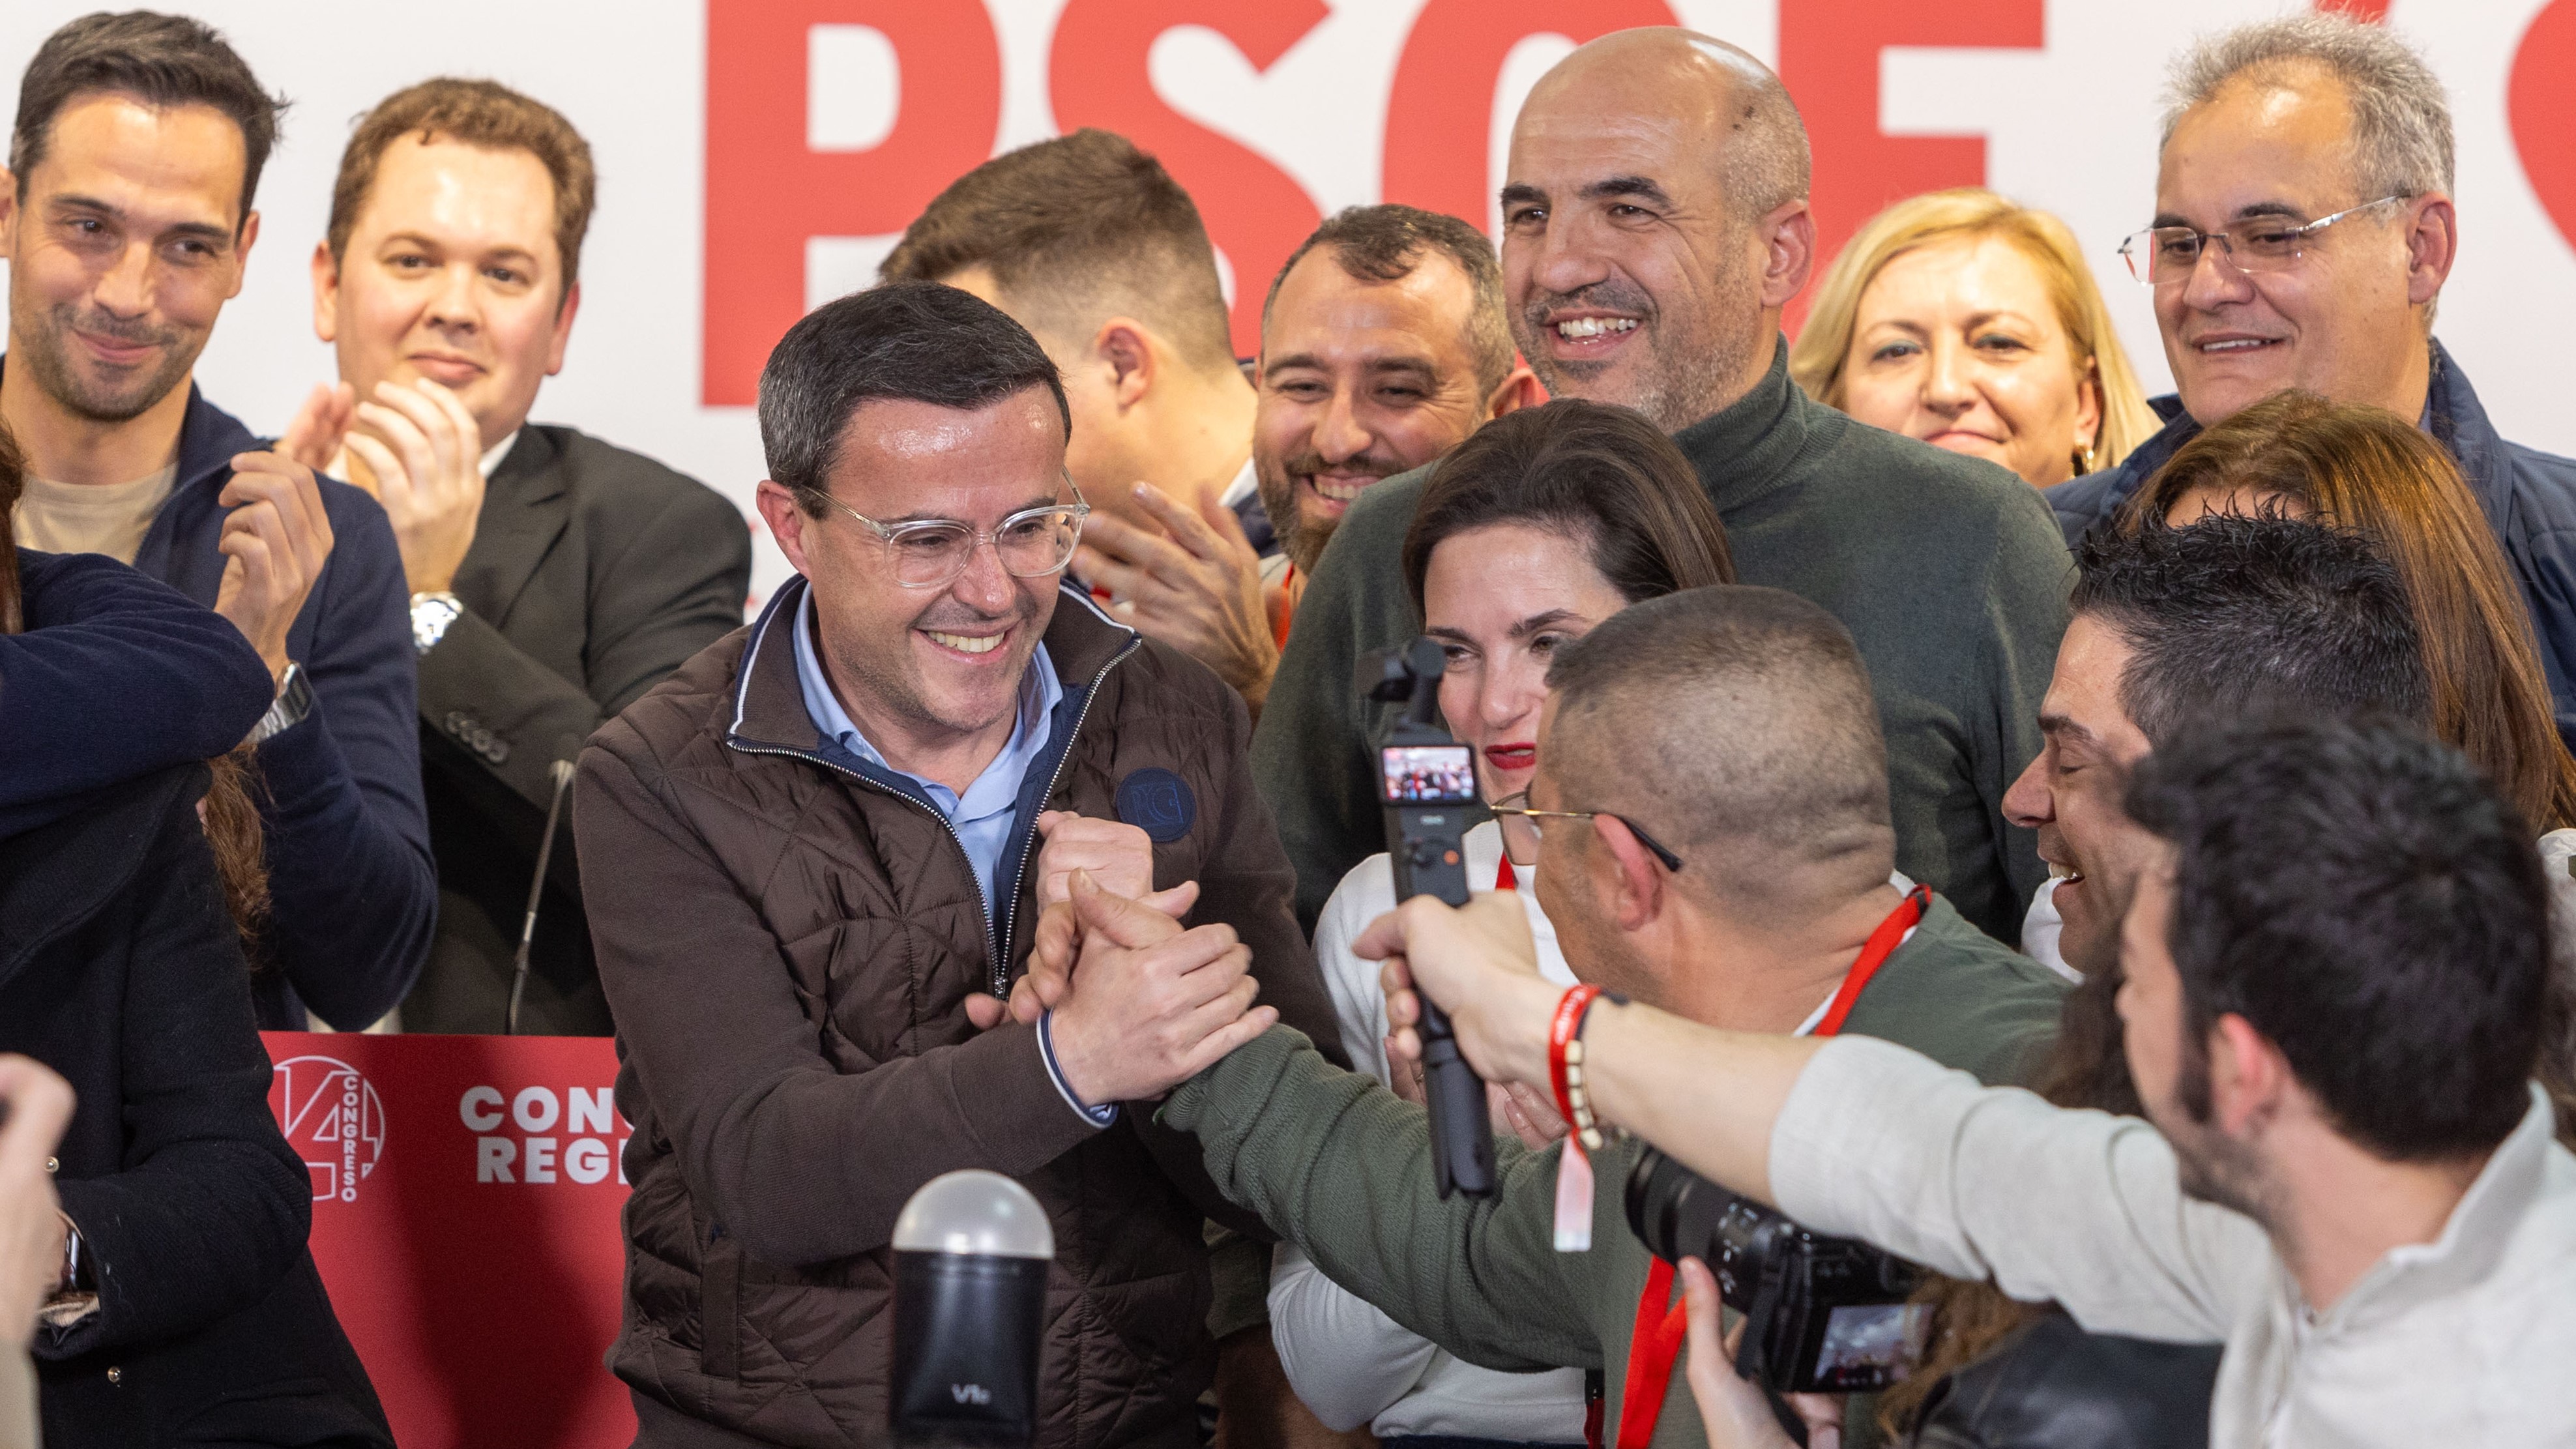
{"points": [[929, 553], [2164, 256], [1523, 831]]}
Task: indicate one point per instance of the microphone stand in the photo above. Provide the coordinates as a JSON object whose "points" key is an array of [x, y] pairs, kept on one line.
{"points": [[562, 772]]}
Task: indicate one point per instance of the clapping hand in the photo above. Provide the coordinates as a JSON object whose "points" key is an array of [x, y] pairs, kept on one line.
{"points": [[420, 453], [1197, 587]]}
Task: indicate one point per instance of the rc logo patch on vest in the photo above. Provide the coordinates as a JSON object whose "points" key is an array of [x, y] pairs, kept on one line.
{"points": [[1159, 803]]}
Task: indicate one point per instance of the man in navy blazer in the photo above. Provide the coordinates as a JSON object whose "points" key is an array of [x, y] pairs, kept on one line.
{"points": [[126, 220], [2295, 247]]}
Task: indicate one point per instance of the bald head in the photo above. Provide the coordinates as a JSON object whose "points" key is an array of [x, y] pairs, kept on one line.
{"points": [[1736, 725], [1714, 97], [1655, 222]]}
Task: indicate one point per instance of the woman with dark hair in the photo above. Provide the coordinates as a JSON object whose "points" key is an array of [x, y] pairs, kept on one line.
{"points": [[188, 1309], [1535, 529]]}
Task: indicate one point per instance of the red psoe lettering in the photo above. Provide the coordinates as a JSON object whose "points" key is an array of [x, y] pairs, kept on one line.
{"points": [[1439, 117], [1098, 76], [1829, 58], [766, 192]]}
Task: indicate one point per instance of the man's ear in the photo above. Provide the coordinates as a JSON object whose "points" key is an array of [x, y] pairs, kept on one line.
{"points": [[8, 213], [241, 254], [2432, 244], [1637, 887], [1126, 347], [1788, 235], [1520, 389], [786, 520], [326, 292], [2249, 1079], [563, 329]]}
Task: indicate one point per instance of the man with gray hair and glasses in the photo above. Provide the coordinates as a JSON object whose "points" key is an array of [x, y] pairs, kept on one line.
{"points": [[2304, 227]]}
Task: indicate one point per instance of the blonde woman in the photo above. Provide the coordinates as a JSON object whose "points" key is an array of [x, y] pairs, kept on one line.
{"points": [[1971, 322]]}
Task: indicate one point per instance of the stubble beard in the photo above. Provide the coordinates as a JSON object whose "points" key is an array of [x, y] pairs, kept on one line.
{"points": [[1688, 372], [45, 342]]}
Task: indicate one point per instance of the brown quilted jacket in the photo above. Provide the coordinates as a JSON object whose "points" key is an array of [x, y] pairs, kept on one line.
{"points": [[788, 940]]}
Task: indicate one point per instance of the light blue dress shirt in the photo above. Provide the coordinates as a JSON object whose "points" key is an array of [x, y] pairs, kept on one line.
{"points": [[985, 817]]}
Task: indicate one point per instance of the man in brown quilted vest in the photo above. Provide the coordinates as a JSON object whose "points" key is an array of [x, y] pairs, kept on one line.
{"points": [[814, 859]]}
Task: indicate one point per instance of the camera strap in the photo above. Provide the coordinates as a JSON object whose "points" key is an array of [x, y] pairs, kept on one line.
{"points": [[1663, 1319]]}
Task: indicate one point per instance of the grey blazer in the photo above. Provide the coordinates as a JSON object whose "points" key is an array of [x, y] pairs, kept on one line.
{"points": [[594, 572]]}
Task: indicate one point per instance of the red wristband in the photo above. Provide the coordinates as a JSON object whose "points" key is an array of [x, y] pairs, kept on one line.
{"points": [[1560, 1034]]}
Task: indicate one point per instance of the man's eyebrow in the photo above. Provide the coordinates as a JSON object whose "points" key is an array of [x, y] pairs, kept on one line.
{"points": [[1523, 191], [1279, 365], [2061, 726], [203, 229], [2246, 212], [1644, 188], [434, 244], [1417, 365]]}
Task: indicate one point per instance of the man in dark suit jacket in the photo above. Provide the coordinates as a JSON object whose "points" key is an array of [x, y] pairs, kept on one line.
{"points": [[554, 578]]}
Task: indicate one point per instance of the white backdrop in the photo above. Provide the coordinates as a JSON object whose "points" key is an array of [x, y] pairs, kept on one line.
{"points": [[2067, 124]]}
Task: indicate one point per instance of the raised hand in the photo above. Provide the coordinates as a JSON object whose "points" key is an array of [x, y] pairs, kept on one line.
{"points": [[314, 436], [1119, 856], [421, 453], [1150, 1005], [1481, 965], [1198, 590], [275, 541]]}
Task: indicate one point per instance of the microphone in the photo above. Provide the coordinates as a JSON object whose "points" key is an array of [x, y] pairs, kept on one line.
{"points": [[971, 1255], [561, 771]]}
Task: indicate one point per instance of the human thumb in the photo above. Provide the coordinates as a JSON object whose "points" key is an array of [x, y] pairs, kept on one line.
{"points": [[1121, 921], [985, 1012]]}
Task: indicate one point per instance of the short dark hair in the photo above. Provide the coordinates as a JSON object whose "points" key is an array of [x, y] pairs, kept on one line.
{"points": [[1736, 725], [917, 341], [2362, 897], [1073, 230], [2234, 615], [1384, 243], [160, 60], [479, 113], [1577, 466]]}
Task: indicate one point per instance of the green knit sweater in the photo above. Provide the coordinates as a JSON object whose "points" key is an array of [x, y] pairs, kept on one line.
{"points": [[1338, 1165], [1950, 573]]}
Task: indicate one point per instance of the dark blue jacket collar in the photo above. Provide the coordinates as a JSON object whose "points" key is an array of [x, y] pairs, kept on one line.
{"points": [[2452, 414]]}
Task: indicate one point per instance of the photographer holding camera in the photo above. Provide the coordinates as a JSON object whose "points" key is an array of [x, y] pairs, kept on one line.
{"points": [[1712, 803], [2335, 961]]}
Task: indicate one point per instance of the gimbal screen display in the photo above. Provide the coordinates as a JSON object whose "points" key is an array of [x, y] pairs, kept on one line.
{"points": [[1427, 775]]}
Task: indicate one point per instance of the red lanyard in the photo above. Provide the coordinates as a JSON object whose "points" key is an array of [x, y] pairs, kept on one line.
{"points": [[1506, 878], [1663, 1319]]}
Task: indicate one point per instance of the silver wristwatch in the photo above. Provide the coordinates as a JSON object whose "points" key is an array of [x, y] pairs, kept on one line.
{"points": [[430, 616], [294, 701]]}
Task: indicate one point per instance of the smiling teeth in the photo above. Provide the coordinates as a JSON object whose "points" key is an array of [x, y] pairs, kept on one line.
{"points": [[966, 644], [1338, 492], [2062, 872], [2237, 344], [1582, 327]]}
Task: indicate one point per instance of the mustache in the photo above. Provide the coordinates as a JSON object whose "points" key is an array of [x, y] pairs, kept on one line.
{"points": [[98, 323], [1301, 465], [1614, 294]]}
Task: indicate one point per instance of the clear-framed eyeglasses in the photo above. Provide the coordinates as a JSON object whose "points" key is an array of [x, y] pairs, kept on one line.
{"points": [[2164, 256], [929, 553], [1524, 829]]}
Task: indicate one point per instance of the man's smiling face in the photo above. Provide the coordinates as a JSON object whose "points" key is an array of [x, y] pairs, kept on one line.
{"points": [[1629, 277], [2071, 792], [2342, 320]]}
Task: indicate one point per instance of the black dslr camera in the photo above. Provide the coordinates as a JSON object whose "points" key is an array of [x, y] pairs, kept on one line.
{"points": [[1823, 1315], [1427, 782]]}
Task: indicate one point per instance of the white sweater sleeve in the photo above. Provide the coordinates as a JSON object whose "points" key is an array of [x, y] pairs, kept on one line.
{"points": [[1877, 1142], [1346, 1360]]}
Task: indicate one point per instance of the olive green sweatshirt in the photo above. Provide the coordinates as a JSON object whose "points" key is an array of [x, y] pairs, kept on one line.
{"points": [[1950, 573], [1338, 1165]]}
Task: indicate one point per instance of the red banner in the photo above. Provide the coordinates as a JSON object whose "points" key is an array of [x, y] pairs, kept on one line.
{"points": [[466, 1192]]}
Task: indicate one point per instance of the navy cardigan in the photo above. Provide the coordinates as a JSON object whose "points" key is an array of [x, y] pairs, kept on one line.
{"points": [[354, 893]]}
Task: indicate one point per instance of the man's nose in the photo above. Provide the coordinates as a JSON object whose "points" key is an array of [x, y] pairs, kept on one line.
{"points": [[1339, 436], [2029, 803], [125, 289], [1565, 260], [2214, 280], [455, 304], [984, 585]]}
